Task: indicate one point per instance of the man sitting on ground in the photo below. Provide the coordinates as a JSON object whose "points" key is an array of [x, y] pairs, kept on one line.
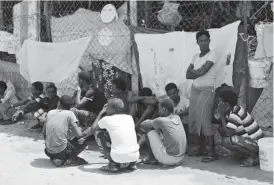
{"points": [[124, 150], [239, 130], [7, 98], [181, 104], [50, 102], [146, 105], [36, 103], [59, 147], [166, 136], [51, 91], [120, 91]]}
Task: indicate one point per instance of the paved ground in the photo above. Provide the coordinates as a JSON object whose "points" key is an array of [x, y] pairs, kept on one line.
{"points": [[23, 161]]}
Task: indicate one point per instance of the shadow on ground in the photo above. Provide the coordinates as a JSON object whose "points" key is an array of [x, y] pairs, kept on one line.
{"points": [[42, 163], [223, 166]]}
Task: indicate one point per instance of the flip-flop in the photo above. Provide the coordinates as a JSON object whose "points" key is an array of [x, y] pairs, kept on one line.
{"points": [[132, 166], [111, 168], [149, 161], [249, 162], [58, 162], [209, 159]]}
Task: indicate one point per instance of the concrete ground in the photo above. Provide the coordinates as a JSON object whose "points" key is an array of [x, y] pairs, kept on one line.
{"points": [[23, 161]]}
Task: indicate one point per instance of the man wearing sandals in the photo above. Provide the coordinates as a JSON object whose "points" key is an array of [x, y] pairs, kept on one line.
{"points": [[60, 148], [120, 132], [166, 136], [239, 130]]}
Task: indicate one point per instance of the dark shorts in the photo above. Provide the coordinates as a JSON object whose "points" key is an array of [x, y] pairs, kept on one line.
{"points": [[71, 151], [244, 146]]}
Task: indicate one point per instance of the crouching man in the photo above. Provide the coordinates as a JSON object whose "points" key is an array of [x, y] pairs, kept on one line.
{"points": [[119, 140], [239, 130], [166, 136], [60, 148]]}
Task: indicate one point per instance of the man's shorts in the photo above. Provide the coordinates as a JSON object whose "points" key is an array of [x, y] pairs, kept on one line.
{"points": [[159, 150]]}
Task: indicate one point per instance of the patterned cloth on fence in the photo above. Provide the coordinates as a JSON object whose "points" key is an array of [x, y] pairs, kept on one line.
{"points": [[103, 73], [84, 117]]}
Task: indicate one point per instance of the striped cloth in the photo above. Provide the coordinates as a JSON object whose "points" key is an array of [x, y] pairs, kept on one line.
{"points": [[244, 125]]}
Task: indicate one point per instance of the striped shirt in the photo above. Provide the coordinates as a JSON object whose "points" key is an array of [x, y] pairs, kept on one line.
{"points": [[40, 114], [244, 125]]}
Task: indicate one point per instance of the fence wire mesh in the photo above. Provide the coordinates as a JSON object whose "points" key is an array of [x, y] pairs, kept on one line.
{"points": [[110, 56]]}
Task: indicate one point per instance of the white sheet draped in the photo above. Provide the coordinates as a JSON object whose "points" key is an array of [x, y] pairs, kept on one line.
{"points": [[51, 62], [164, 58]]}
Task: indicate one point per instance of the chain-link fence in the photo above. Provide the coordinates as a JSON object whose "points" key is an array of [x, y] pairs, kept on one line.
{"points": [[110, 54]]}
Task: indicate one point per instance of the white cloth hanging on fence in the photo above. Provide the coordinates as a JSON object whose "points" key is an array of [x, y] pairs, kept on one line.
{"points": [[264, 34], [51, 62], [164, 58]]}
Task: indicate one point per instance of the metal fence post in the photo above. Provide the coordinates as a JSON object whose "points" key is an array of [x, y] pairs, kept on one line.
{"points": [[246, 67]]}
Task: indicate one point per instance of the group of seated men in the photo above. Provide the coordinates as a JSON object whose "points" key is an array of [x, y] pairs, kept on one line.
{"points": [[124, 123]]}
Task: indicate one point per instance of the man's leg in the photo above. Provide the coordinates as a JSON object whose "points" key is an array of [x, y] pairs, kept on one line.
{"points": [[244, 147], [151, 159], [74, 149], [105, 141], [57, 159]]}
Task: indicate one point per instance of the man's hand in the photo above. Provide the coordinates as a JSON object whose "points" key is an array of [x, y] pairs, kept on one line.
{"points": [[81, 141], [222, 109], [104, 110], [78, 89]]}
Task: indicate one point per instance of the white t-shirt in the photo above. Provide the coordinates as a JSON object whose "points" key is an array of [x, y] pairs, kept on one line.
{"points": [[121, 129], [210, 77], [57, 129]]}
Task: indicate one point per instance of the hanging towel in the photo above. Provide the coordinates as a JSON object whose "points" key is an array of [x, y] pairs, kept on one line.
{"points": [[264, 34], [51, 62], [161, 59], [164, 58]]}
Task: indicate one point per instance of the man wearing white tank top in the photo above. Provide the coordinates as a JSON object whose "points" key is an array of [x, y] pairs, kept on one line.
{"points": [[202, 71]]}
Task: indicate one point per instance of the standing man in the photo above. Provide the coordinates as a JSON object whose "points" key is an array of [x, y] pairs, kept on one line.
{"points": [[202, 71]]}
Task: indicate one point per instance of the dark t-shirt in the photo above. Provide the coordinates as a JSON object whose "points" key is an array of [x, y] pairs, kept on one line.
{"points": [[123, 97], [96, 102]]}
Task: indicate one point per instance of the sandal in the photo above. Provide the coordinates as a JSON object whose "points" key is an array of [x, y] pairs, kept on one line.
{"points": [[209, 159], [58, 162], [249, 162], [132, 166], [149, 161], [111, 168]]}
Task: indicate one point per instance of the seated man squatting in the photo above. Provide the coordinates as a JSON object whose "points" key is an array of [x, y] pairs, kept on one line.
{"points": [[7, 98], [89, 101], [123, 152], [181, 104], [165, 136], [144, 106], [60, 147], [240, 132], [51, 99], [36, 103]]}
